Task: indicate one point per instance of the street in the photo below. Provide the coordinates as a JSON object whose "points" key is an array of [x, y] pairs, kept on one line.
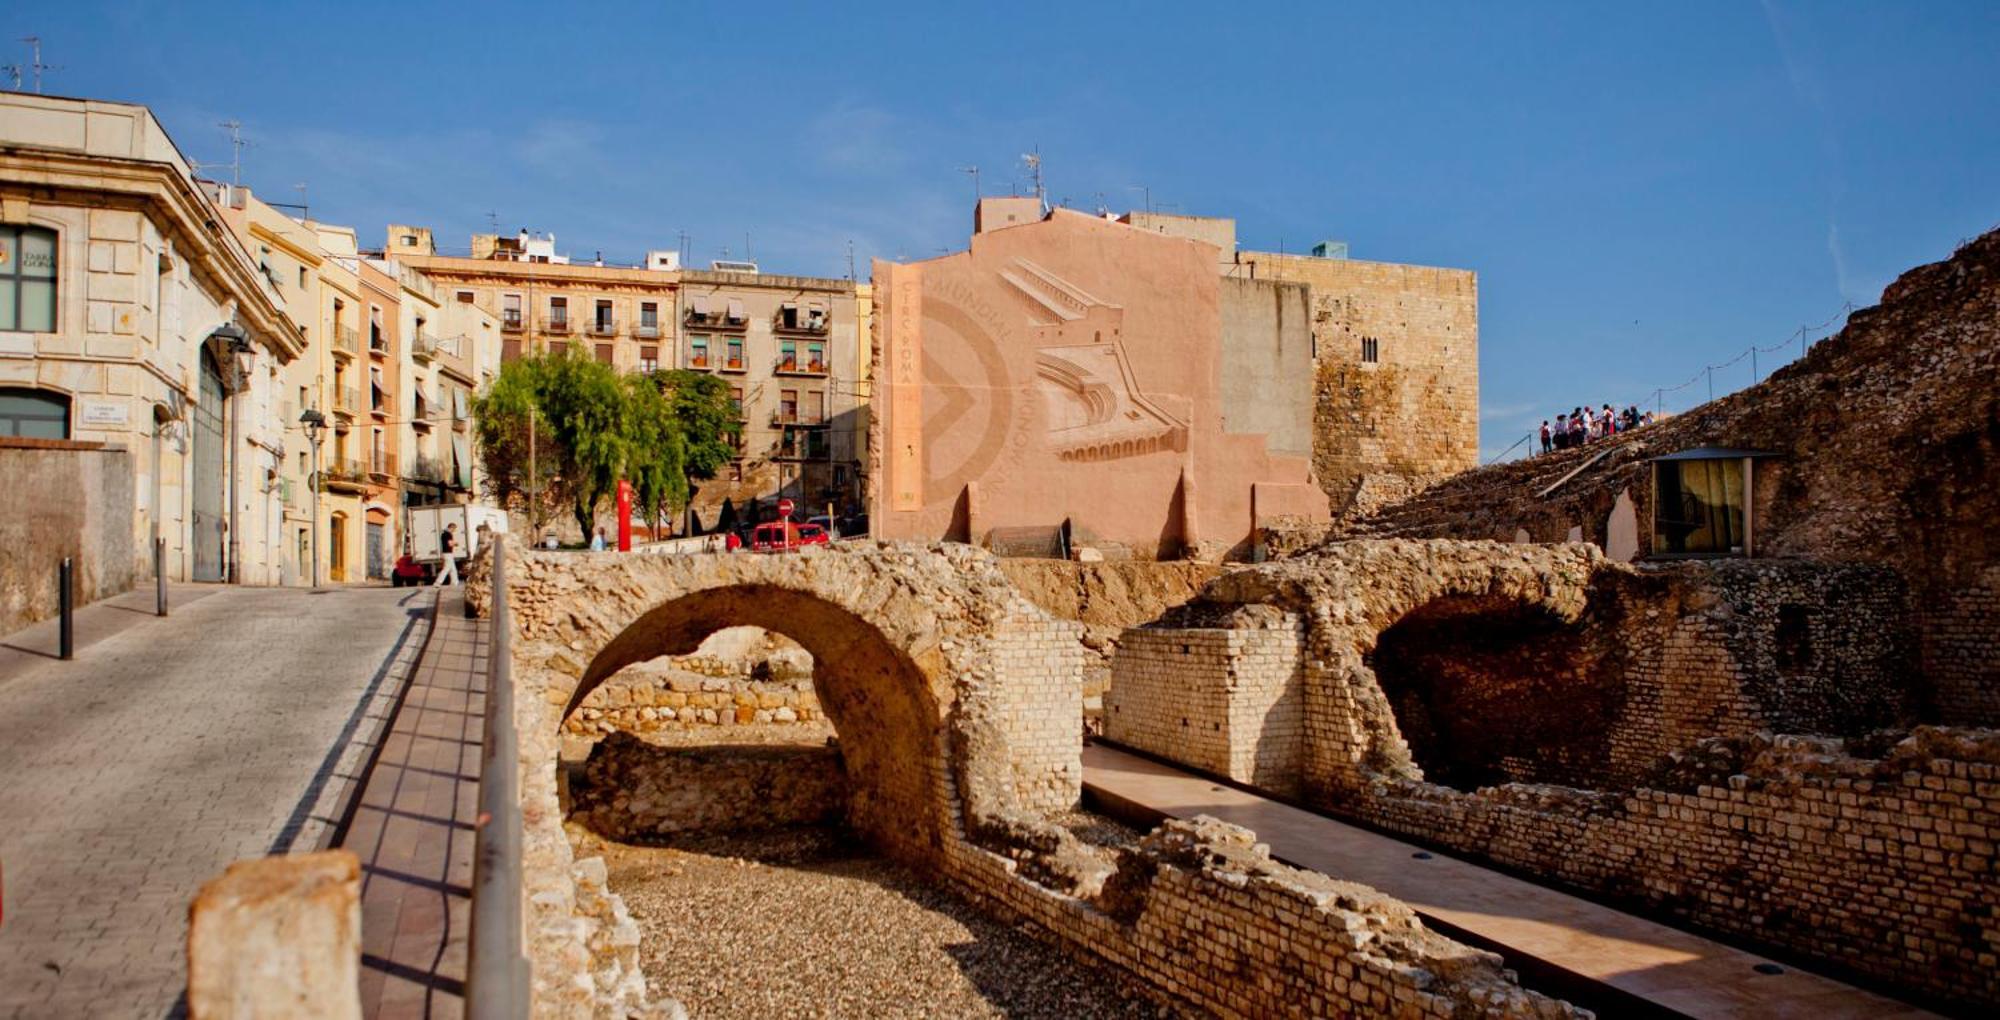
{"points": [[168, 749]]}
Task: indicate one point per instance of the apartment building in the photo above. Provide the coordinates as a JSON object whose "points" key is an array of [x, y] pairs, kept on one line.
{"points": [[793, 354], [133, 320], [623, 315]]}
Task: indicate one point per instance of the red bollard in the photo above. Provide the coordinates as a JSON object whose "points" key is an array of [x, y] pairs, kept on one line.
{"points": [[624, 515]]}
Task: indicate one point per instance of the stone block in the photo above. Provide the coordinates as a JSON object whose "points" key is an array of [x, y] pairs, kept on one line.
{"points": [[275, 938]]}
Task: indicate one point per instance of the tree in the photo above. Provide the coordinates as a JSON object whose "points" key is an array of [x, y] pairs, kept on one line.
{"points": [[655, 450], [708, 420], [583, 401], [502, 417]]}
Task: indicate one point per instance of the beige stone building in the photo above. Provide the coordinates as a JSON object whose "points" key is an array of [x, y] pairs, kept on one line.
{"points": [[1395, 360], [120, 290], [791, 350]]}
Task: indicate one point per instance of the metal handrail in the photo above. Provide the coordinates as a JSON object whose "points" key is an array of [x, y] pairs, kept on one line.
{"points": [[497, 971]]}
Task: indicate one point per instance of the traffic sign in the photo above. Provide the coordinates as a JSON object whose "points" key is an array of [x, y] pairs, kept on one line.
{"points": [[785, 507]]}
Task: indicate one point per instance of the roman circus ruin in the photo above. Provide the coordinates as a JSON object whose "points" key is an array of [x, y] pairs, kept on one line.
{"points": [[1786, 746]]}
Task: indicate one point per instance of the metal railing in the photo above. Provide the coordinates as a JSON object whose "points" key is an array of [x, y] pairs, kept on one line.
{"points": [[423, 346], [603, 327], [497, 972], [346, 340]]}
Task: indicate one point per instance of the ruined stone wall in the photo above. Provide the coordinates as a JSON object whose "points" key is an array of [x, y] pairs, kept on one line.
{"points": [[1227, 700], [634, 791], [1882, 864], [1105, 598], [1200, 913], [1888, 433], [646, 700], [1384, 429]]}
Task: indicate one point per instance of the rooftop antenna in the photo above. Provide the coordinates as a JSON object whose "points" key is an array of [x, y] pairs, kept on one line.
{"points": [[684, 246], [236, 144], [1033, 161], [12, 71], [1147, 190], [35, 46], [493, 220], [747, 257], [850, 259], [304, 209], [974, 171]]}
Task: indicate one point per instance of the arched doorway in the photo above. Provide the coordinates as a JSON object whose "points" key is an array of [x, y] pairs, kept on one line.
{"points": [[882, 706], [207, 529]]}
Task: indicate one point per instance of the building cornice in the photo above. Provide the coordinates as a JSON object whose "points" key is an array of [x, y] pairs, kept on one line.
{"points": [[184, 214]]}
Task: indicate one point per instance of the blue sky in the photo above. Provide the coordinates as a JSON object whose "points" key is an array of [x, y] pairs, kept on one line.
{"points": [[1643, 191]]}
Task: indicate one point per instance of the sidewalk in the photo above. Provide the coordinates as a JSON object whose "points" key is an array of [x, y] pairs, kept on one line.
{"points": [[1664, 968], [413, 828], [96, 622]]}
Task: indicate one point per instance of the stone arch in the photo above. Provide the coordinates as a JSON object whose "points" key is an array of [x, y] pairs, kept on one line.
{"points": [[958, 702], [1350, 593], [878, 698]]}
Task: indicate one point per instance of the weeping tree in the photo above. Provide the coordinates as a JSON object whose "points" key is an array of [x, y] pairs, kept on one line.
{"points": [[707, 419], [592, 426], [655, 450]]}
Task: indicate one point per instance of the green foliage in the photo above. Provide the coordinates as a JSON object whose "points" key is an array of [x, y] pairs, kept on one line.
{"points": [[590, 427]]}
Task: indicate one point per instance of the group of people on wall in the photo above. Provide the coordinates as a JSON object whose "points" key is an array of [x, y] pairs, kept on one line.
{"points": [[1582, 425]]}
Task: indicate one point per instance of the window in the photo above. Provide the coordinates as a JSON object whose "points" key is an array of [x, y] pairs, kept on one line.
{"points": [[815, 411], [33, 414], [649, 315], [788, 405], [735, 353], [698, 352], [378, 342], [788, 315], [815, 357], [558, 312], [28, 279], [1698, 507], [604, 353], [649, 360], [302, 277], [736, 400], [510, 311], [604, 318], [408, 240], [788, 356], [465, 297], [1371, 352]]}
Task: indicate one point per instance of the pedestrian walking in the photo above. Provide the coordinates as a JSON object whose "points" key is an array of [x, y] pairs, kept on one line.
{"points": [[597, 541], [1545, 436], [448, 556]]}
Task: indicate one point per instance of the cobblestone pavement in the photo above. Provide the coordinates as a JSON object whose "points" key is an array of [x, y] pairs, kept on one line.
{"points": [[137, 772]]}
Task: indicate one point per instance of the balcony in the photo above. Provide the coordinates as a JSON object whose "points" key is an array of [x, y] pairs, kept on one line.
{"points": [[799, 366], [423, 348], [430, 469], [382, 466], [603, 327], [795, 320], [346, 341], [380, 403], [511, 321], [343, 475], [346, 401], [808, 419], [556, 324], [378, 342], [647, 331]]}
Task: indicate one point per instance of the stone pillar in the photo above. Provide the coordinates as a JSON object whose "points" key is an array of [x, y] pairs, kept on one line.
{"points": [[275, 938]]}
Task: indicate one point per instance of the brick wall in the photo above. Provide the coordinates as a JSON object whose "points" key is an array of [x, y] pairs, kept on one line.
{"points": [[1885, 865], [1227, 701]]}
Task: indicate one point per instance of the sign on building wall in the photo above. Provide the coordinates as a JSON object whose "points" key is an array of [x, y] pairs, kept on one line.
{"points": [[105, 414], [906, 400]]}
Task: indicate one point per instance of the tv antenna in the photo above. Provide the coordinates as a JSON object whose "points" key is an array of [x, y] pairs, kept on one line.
{"points": [[237, 143], [1145, 189], [493, 221], [34, 63], [304, 209], [850, 259], [974, 172], [1033, 161], [12, 71]]}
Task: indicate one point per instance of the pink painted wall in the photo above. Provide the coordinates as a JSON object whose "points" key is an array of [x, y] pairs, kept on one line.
{"points": [[1068, 368]]}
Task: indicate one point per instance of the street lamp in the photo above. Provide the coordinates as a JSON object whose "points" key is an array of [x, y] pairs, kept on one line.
{"points": [[314, 422], [242, 354]]}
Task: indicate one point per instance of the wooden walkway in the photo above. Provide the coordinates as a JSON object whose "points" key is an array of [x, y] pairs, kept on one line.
{"points": [[413, 829], [1539, 930]]}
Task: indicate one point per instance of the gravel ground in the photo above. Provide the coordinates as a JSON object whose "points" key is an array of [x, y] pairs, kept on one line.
{"points": [[806, 923]]}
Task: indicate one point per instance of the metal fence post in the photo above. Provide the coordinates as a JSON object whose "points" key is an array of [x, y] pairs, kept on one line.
{"points": [[498, 981], [159, 577], [65, 603]]}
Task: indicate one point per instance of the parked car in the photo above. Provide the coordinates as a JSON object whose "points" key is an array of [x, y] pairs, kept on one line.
{"points": [[785, 536]]}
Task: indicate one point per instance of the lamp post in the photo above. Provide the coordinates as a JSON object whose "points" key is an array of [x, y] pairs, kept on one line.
{"points": [[314, 422], [241, 353]]}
